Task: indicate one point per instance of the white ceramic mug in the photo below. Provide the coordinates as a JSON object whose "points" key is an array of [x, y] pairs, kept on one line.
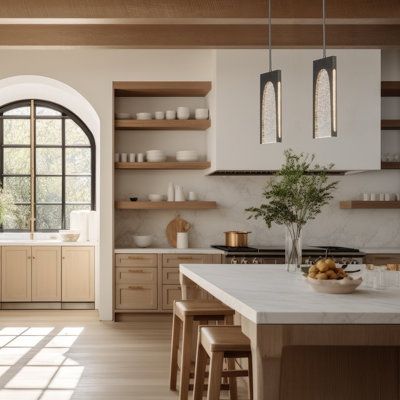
{"points": [[116, 157], [159, 114], [183, 112], [140, 157], [170, 114], [132, 157], [192, 196], [182, 240], [373, 196], [124, 157], [366, 196], [381, 196], [201, 113]]}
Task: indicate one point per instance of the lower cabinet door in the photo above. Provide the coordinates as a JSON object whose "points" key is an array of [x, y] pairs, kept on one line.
{"points": [[136, 297], [46, 273], [77, 274], [171, 293], [16, 274]]}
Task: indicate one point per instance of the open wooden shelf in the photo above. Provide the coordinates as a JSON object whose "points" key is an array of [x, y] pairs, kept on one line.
{"points": [[162, 89], [390, 165], [164, 165], [165, 205], [163, 124], [390, 124], [352, 204], [390, 89]]}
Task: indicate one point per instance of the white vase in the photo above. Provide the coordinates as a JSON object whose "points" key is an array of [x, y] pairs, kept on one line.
{"points": [[171, 192], [182, 240], [179, 195]]}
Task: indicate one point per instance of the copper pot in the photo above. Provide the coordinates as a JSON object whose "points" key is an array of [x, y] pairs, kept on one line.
{"points": [[236, 239]]}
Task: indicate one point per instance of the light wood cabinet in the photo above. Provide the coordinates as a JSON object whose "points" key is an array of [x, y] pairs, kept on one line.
{"points": [[77, 274], [173, 260], [170, 276], [170, 294], [136, 275], [136, 297], [16, 273], [46, 273]]}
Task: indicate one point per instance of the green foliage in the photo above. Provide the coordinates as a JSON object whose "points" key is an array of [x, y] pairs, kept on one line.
{"points": [[297, 193], [7, 207]]}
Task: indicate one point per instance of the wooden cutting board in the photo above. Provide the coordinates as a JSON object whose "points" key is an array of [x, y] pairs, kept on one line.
{"points": [[178, 224]]}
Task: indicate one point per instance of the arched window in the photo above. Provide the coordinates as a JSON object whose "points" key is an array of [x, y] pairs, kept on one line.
{"points": [[47, 164]]}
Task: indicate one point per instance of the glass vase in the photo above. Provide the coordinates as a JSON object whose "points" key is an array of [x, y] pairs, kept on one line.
{"points": [[293, 249]]}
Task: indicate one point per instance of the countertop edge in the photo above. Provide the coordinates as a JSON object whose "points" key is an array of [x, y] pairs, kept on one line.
{"points": [[169, 251]]}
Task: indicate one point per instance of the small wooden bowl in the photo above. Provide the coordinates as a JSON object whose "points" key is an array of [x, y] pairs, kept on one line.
{"points": [[333, 286]]}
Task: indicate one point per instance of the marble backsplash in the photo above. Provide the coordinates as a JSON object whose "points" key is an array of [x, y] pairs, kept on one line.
{"points": [[353, 228]]}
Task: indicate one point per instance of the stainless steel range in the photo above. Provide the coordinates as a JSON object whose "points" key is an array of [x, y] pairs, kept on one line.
{"points": [[276, 255]]}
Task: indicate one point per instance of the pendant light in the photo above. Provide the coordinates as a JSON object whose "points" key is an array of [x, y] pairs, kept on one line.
{"points": [[270, 98], [324, 91]]}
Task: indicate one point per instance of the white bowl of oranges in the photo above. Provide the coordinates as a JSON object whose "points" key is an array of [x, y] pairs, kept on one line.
{"points": [[325, 277]]}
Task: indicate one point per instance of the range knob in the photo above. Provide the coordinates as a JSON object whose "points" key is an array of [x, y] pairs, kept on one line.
{"points": [[244, 261], [234, 260], [256, 260]]}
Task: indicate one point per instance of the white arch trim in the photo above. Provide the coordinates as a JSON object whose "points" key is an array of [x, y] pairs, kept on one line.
{"points": [[25, 87]]}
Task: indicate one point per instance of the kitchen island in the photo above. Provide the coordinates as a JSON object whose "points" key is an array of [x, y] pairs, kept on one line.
{"points": [[279, 309]]}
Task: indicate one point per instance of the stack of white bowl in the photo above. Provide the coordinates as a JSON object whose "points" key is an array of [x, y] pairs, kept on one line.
{"points": [[187, 155], [155, 156]]}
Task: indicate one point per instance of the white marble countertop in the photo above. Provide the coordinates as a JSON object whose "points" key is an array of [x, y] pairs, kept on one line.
{"points": [[381, 250], [208, 250], [41, 242], [268, 294]]}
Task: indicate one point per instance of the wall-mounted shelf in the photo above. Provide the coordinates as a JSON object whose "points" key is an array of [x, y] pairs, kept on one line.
{"points": [[162, 89], [390, 124], [163, 124], [165, 205], [390, 89], [359, 204], [179, 165], [390, 165]]}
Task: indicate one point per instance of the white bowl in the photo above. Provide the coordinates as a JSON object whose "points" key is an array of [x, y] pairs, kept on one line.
{"points": [[334, 286], [155, 156], [201, 113], [155, 197], [143, 115], [123, 115], [69, 235], [142, 240], [187, 155]]}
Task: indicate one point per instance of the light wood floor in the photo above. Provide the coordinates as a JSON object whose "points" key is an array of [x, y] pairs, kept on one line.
{"points": [[64, 355]]}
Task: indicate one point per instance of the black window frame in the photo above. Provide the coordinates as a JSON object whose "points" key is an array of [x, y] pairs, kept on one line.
{"points": [[65, 115]]}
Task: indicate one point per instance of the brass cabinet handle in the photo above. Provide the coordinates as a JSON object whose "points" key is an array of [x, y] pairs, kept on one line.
{"points": [[135, 287], [186, 258], [136, 271], [136, 258]]}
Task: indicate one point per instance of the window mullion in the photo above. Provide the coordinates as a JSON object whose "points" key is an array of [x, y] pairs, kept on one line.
{"points": [[33, 169], [63, 218]]}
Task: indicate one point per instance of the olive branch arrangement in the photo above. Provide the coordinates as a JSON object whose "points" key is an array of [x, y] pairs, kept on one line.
{"points": [[296, 194]]}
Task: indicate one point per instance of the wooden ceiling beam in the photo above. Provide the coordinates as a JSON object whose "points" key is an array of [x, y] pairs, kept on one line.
{"points": [[199, 36], [345, 9]]}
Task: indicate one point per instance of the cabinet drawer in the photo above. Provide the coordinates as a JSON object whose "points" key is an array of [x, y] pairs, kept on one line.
{"points": [[170, 293], [136, 260], [136, 275], [380, 259], [170, 276], [173, 260], [136, 297]]}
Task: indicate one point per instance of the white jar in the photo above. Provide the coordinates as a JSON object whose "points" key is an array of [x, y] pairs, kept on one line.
{"points": [[182, 240], [183, 112], [192, 196], [170, 114], [179, 195], [171, 192], [140, 157], [124, 157], [159, 114], [201, 113], [116, 157], [132, 157]]}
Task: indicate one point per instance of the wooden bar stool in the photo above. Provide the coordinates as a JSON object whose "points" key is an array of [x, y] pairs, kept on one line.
{"points": [[217, 343], [186, 312]]}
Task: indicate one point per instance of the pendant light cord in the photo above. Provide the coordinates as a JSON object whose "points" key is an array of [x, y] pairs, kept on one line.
{"points": [[269, 35], [323, 28]]}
